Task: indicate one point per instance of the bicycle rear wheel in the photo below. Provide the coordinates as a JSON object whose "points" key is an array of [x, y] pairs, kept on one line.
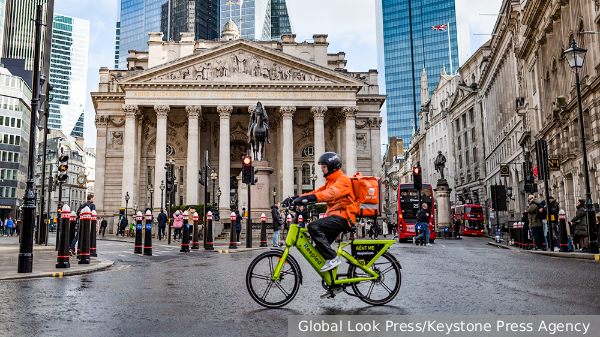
{"points": [[383, 289], [265, 291]]}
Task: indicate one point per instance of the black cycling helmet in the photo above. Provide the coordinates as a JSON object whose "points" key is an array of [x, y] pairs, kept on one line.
{"points": [[332, 160]]}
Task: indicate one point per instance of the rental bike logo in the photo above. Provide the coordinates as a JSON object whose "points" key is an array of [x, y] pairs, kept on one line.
{"points": [[312, 255]]}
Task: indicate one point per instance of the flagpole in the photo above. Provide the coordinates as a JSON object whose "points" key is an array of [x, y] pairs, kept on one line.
{"points": [[449, 49]]}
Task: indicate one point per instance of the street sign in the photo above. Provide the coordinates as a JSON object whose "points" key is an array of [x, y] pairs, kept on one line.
{"points": [[492, 215], [554, 164]]}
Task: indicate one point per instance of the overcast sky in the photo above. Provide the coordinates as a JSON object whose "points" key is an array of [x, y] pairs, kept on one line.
{"points": [[350, 25]]}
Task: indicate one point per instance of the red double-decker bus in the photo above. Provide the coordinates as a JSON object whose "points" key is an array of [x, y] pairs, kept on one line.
{"points": [[471, 219], [408, 206]]}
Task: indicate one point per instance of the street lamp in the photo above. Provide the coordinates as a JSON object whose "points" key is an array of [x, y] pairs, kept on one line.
{"points": [[575, 57], [218, 196], [213, 177], [126, 202], [162, 189], [274, 194], [151, 190]]}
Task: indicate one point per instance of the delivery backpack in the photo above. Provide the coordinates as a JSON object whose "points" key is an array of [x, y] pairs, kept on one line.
{"points": [[366, 190]]}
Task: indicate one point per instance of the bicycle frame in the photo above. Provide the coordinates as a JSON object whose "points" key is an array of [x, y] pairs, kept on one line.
{"points": [[298, 239]]}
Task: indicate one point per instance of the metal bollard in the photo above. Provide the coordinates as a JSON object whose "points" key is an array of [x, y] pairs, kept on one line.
{"points": [[63, 244], [84, 235], [562, 224], [263, 230], [148, 234], [232, 233], [196, 218], [289, 223], [93, 226], [209, 234], [300, 221], [137, 249], [185, 240], [73, 225]]}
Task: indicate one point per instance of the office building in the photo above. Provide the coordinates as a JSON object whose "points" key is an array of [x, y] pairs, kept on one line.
{"points": [[407, 43], [68, 74], [118, 35], [184, 16], [255, 18], [280, 19]]}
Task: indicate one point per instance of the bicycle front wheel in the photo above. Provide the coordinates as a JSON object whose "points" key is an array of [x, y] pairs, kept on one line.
{"points": [[383, 289], [262, 288]]}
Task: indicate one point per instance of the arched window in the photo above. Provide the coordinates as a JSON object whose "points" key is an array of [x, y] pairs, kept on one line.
{"points": [[306, 174]]}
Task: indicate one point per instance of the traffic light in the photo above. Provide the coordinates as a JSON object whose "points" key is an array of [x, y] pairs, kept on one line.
{"points": [[254, 178], [62, 168], [247, 171], [417, 178], [201, 176]]}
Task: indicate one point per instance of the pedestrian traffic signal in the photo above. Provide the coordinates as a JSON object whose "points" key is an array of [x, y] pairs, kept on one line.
{"points": [[254, 178], [247, 171], [417, 178], [62, 168]]}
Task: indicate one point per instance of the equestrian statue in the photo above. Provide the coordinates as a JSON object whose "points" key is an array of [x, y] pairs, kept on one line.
{"points": [[258, 131]]}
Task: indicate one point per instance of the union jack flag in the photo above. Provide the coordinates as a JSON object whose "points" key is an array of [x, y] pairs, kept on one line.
{"points": [[440, 27], [241, 2]]}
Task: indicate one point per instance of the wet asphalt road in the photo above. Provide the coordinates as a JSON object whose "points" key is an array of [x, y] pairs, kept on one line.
{"points": [[204, 294]]}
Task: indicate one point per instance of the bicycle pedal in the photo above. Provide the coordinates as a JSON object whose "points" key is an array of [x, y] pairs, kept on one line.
{"points": [[332, 292]]}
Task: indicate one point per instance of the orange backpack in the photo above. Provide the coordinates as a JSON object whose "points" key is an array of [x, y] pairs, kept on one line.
{"points": [[366, 190]]}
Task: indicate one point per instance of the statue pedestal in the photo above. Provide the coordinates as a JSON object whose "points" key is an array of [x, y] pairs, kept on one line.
{"points": [[260, 193], [444, 214]]}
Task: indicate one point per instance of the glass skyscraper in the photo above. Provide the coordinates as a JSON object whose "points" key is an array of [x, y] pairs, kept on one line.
{"points": [[406, 43], [255, 18], [280, 19], [140, 17], [68, 74]]}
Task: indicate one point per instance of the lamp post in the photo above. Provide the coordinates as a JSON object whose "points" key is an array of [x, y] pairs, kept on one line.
{"points": [[151, 190], [213, 177], [126, 203], [218, 196], [274, 195], [575, 57], [162, 189]]}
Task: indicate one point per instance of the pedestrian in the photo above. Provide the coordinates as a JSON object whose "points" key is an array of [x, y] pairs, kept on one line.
{"points": [[89, 203], [238, 225], [580, 230], [369, 228], [457, 228], [122, 226], [18, 227], [376, 229], [9, 225], [302, 211], [535, 223], [553, 209], [2, 228], [103, 225], [178, 224], [162, 224], [277, 223], [423, 220], [390, 227]]}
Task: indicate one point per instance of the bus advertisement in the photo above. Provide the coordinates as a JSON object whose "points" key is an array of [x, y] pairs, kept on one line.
{"points": [[408, 206]]}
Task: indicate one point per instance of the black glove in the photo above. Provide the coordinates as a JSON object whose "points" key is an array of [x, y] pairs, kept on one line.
{"points": [[303, 200], [288, 201]]}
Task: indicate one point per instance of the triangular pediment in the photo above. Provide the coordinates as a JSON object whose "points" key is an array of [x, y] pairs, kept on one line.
{"points": [[240, 62]]}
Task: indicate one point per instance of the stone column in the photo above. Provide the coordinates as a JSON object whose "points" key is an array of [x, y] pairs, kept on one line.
{"points": [[224, 163], [299, 180], [194, 113], [129, 139], [376, 169], [162, 111], [100, 170], [139, 185], [319, 141], [444, 216], [287, 113], [350, 155]]}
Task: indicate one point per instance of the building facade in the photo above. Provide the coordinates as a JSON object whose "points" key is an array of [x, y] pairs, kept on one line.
{"points": [[68, 74], [406, 43], [177, 109], [15, 112], [280, 19], [184, 16], [254, 16]]}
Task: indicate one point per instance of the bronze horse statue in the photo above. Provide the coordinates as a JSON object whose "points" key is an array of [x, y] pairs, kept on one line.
{"points": [[258, 131]]}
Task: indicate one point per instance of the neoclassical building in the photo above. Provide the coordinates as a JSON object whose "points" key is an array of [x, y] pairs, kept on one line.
{"points": [[181, 99]]}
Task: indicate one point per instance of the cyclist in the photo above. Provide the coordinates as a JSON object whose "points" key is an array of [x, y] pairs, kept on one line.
{"points": [[341, 208]]}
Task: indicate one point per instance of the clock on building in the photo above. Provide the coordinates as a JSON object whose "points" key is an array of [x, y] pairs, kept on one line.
{"points": [[81, 180]]}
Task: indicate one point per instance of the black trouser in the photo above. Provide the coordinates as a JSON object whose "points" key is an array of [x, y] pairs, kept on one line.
{"points": [[324, 231], [102, 230], [237, 233]]}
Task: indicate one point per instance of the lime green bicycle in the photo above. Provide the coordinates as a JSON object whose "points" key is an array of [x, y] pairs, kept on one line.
{"points": [[274, 277]]}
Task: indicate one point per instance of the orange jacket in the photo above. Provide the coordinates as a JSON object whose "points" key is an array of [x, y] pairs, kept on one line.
{"points": [[339, 196]]}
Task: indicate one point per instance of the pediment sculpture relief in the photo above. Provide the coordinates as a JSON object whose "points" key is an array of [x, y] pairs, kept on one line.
{"points": [[238, 63]]}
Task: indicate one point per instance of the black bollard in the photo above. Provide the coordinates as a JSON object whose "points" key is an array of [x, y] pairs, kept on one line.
{"points": [[562, 225], [148, 234], [185, 240], [84, 235], [232, 233], [209, 233], [63, 243], [137, 249], [93, 234], [195, 245], [263, 230]]}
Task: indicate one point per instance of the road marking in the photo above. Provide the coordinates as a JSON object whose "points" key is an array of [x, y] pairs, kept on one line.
{"points": [[59, 274], [597, 257]]}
